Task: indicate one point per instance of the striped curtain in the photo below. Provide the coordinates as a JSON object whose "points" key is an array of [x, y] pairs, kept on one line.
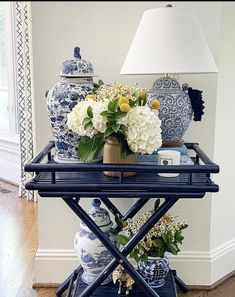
{"points": [[23, 37]]}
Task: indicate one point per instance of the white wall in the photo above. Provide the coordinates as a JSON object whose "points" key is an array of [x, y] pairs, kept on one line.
{"points": [[104, 31], [223, 203]]}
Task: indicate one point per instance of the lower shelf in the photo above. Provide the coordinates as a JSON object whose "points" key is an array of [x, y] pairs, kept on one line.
{"points": [[111, 290]]}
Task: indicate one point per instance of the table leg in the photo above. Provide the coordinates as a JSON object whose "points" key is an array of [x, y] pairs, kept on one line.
{"points": [[120, 256], [64, 286]]}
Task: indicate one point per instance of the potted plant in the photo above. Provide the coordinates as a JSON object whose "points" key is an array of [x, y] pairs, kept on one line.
{"points": [[150, 252], [117, 119]]}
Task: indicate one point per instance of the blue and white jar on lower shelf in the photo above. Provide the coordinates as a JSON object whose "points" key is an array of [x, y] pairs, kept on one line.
{"points": [[92, 254], [154, 271]]}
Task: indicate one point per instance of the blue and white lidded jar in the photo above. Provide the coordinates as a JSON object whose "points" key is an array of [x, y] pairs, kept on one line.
{"points": [[154, 270], [75, 83], [175, 112], [92, 254]]}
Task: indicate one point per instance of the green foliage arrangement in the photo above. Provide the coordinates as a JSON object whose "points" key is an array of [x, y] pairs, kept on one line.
{"points": [[165, 235]]}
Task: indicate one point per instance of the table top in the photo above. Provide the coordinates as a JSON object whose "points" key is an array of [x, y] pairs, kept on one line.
{"points": [[87, 180]]}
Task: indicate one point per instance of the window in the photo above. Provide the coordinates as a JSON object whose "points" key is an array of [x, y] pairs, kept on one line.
{"points": [[9, 137], [8, 97]]}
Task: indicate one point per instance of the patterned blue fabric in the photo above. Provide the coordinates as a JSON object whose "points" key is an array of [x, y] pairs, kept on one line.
{"points": [[24, 84]]}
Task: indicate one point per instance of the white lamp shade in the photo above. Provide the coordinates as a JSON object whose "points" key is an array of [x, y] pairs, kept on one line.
{"points": [[169, 40]]}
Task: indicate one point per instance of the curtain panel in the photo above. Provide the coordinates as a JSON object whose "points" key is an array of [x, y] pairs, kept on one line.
{"points": [[23, 41]]}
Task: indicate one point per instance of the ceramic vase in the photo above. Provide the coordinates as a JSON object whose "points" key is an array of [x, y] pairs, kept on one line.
{"points": [[154, 271], [76, 81], [92, 254], [175, 111], [111, 154]]}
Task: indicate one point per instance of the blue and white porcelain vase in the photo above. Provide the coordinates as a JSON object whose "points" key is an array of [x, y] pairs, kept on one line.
{"points": [[92, 254], [154, 271], [175, 112], [75, 83]]}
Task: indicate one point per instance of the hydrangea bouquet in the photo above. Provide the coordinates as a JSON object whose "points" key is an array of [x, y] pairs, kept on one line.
{"points": [[165, 235], [120, 111]]}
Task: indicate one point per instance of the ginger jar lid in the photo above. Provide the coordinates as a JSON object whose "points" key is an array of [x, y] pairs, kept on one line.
{"points": [[77, 67], [99, 215]]}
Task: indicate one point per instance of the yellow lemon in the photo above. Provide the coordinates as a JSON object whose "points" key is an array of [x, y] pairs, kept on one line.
{"points": [[90, 97], [155, 104], [122, 99], [125, 107], [143, 95]]}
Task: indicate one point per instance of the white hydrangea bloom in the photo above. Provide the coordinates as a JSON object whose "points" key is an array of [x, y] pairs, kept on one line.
{"points": [[99, 122], [144, 130], [76, 117], [79, 113]]}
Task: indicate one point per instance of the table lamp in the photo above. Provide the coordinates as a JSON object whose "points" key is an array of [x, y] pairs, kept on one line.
{"points": [[168, 41]]}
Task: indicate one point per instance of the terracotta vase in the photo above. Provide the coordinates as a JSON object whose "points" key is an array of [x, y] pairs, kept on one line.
{"points": [[111, 154]]}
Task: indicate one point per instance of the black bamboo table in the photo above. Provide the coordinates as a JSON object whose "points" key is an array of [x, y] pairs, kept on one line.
{"points": [[71, 182]]}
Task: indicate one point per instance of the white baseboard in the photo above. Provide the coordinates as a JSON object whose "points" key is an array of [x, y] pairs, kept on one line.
{"points": [[205, 268], [194, 267], [54, 265]]}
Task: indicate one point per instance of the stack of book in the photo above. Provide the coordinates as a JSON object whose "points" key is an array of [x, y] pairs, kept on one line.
{"points": [[184, 158]]}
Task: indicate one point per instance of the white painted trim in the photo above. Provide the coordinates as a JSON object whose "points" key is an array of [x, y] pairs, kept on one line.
{"points": [[211, 256], [194, 267], [205, 268], [54, 265], [61, 254], [10, 145], [10, 171]]}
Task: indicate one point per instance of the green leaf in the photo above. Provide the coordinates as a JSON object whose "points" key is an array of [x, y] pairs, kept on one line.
{"points": [[100, 82], [136, 93], [122, 239], [144, 257], [183, 226], [113, 105], [108, 132], [90, 148], [178, 237], [86, 120], [88, 125], [124, 149], [120, 114], [116, 127], [157, 203], [95, 85], [104, 113], [132, 103], [173, 248], [119, 220], [123, 128], [167, 237], [158, 243], [89, 112]]}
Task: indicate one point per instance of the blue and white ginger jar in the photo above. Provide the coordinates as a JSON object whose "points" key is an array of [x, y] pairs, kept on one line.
{"points": [[92, 254], [175, 111], [75, 83], [154, 271]]}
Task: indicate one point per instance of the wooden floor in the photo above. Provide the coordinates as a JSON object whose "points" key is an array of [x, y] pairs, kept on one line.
{"points": [[18, 244]]}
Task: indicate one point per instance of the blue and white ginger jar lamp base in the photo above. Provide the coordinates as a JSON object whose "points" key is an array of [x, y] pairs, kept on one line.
{"points": [[175, 112]]}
